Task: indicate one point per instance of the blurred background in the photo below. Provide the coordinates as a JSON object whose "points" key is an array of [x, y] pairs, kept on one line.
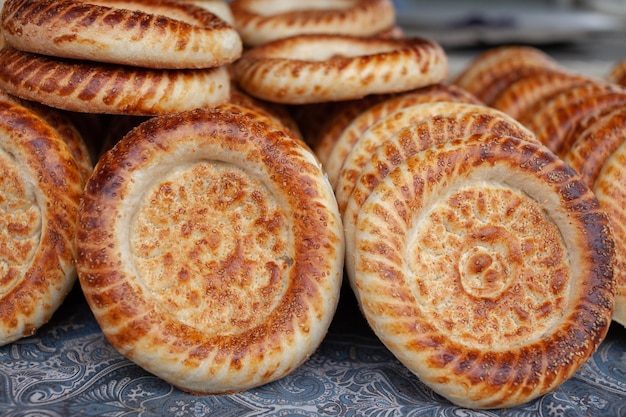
{"points": [[589, 35]]}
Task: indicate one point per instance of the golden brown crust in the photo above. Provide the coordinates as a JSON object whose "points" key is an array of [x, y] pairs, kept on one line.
{"points": [[211, 254], [62, 123], [348, 137], [333, 120], [594, 144], [523, 93], [319, 68], [597, 152], [41, 187], [220, 8], [612, 196], [153, 34], [100, 88], [553, 119], [379, 132], [485, 266], [483, 73], [263, 21], [274, 111]]}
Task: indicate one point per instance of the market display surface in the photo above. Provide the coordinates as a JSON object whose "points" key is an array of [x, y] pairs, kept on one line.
{"points": [[70, 369], [261, 208]]}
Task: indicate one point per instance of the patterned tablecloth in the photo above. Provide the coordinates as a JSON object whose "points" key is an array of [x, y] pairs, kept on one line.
{"points": [[68, 369]]}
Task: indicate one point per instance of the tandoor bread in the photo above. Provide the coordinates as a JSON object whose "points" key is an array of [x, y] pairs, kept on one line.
{"points": [[610, 191], [85, 87], [40, 188], [125, 57], [598, 155], [486, 266], [210, 249], [145, 33]]}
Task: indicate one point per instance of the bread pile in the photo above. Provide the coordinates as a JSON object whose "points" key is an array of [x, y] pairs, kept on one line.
{"points": [[457, 246], [207, 240], [102, 57], [43, 166], [211, 238]]}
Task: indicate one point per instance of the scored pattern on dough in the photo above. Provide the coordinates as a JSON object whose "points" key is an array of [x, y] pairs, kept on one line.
{"points": [[211, 249], [435, 243]]}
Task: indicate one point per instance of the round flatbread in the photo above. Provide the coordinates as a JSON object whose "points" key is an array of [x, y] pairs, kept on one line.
{"points": [[452, 121], [40, 189], [486, 266], [210, 249], [151, 34], [84, 87], [319, 68]]}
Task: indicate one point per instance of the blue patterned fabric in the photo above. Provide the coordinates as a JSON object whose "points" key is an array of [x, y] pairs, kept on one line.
{"points": [[68, 369]]}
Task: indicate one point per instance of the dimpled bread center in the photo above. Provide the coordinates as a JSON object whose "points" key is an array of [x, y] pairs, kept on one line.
{"points": [[213, 246], [488, 267], [20, 224]]}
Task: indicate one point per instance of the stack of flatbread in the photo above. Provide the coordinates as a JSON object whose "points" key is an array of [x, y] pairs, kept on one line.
{"points": [[479, 221], [117, 56], [207, 241]]}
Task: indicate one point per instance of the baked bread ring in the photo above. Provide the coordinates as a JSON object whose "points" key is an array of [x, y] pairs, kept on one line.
{"points": [[319, 68], [145, 33], [85, 87], [481, 74], [263, 21], [212, 253], [453, 121], [612, 198], [553, 119], [345, 141], [485, 266], [597, 152], [41, 186], [523, 93]]}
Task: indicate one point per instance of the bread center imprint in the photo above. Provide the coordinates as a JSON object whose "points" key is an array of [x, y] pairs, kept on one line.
{"points": [[218, 259], [489, 266], [484, 272]]}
